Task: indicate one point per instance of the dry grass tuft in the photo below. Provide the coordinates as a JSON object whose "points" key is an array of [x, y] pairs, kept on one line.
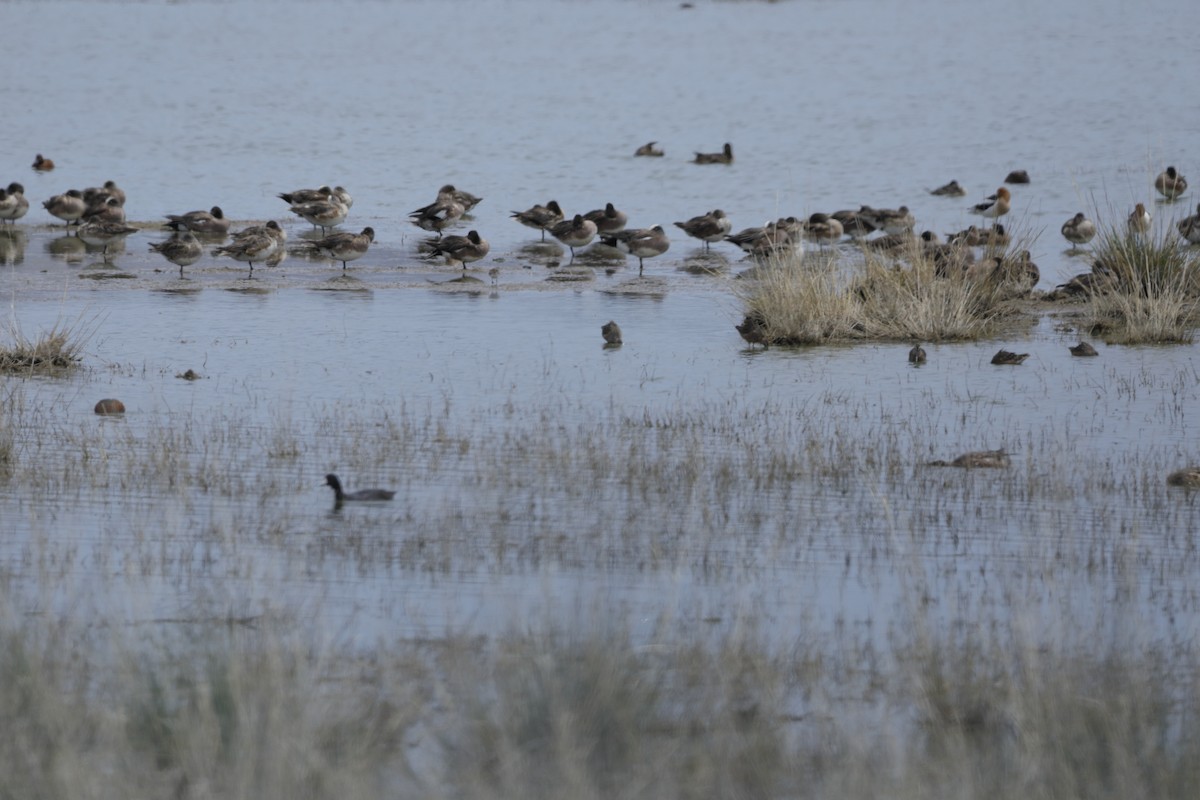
{"points": [[912, 296], [1147, 289], [54, 350]]}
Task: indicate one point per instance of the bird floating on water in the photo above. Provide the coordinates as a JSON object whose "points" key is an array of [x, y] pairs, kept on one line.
{"points": [[361, 496]]}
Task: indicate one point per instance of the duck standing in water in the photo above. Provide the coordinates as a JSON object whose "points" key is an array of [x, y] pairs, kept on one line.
{"points": [[1079, 230], [1170, 184]]}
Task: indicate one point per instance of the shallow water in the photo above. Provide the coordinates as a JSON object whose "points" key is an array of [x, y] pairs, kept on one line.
{"points": [[828, 106]]}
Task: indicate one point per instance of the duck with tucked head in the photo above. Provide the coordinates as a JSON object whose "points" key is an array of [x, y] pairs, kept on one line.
{"points": [[1188, 478], [611, 332], [540, 217], [648, 149], [708, 228], [1079, 230], [951, 189], [463, 249], [1189, 227], [1170, 184], [1083, 350], [361, 496], [640, 242]]}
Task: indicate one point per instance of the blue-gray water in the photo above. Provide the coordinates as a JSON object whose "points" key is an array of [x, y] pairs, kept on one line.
{"points": [[828, 106]]}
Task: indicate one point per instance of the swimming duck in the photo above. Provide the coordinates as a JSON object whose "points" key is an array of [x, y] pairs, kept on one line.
{"points": [[917, 354], [951, 189], [640, 242], [361, 496], [42, 164], [101, 234], [1079, 229], [212, 221], [1189, 227], [1017, 176], [254, 245], [345, 247], [754, 330], [1009, 357], [1139, 219], [68, 206], [649, 149], [708, 228], [995, 206], [980, 459], [463, 249], [182, 249], [611, 332], [540, 217], [1083, 350], [723, 157], [607, 219], [1188, 478], [1170, 184]]}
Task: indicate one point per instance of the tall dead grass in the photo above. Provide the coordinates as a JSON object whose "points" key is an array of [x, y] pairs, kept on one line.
{"points": [[1147, 287]]}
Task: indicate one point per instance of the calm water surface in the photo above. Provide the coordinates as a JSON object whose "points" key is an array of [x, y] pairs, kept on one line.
{"points": [[828, 105]]}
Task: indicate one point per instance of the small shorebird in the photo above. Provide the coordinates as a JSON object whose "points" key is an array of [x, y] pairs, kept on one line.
{"points": [[641, 242], [463, 249], [182, 249], [575, 232], [607, 219], [323, 214], [980, 459], [42, 164], [611, 332], [708, 228], [648, 149], [68, 206], [361, 496], [102, 234], [13, 204], [1083, 349], [540, 217], [110, 210], [917, 354], [1170, 184], [213, 221], [1139, 219], [995, 206], [254, 245], [1009, 357], [951, 189], [345, 246], [1189, 227], [723, 157], [1079, 230]]}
